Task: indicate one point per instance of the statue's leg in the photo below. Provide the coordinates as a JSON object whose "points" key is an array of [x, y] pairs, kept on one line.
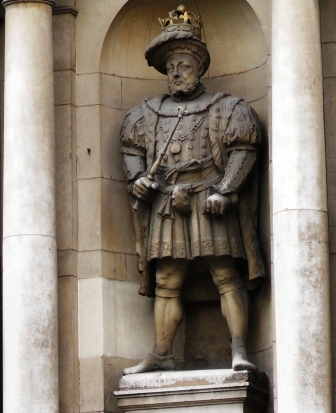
{"points": [[168, 311], [168, 314], [235, 305]]}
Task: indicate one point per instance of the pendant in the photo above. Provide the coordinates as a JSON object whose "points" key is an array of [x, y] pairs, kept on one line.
{"points": [[175, 148]]}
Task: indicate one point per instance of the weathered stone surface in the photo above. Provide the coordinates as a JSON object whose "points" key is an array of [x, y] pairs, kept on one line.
{"points": [[300, 222], [250, 85], [88, 142], [64, 42], [330, 127], [29, 264], [188, 378], [177, 230], [66, 263], [89, 214], [90, 318], [302, 249], [91, 384], [111, 91], [64, 84], [113, 367], [68, 344], [117, 226], [66, 194], [328, 16], [135, 90], [329, 56], [208, 338], [88, 89], [261, 323], [111, 161], [194, 391], [265, 359], [30, 322]]}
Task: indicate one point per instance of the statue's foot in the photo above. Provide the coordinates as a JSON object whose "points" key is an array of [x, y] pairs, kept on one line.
{"points": [[239, 359], [241, 364], [150, 363]]}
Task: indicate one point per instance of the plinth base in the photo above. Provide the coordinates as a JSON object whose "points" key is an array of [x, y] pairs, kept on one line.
{"points": [[217, 391]]}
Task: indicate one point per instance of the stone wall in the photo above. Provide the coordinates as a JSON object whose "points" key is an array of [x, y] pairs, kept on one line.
{"points": [[115, 324], [2, 57], [104, 325], [328, 34], [100, 73], [64, 36]]}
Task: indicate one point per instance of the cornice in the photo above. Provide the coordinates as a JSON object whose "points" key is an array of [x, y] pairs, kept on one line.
{"points": [[6, 3], [65, 9]]}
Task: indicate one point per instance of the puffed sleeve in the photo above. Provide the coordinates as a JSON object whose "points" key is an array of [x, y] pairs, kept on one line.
{"points": [[241, 137], [243, 127], [133, 144]]}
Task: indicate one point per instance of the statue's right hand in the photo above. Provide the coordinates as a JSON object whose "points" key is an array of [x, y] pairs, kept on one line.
{"points": [[143, 188]]}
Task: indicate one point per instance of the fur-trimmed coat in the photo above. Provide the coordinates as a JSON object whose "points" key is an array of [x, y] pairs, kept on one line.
{"points": [[234, 136]]}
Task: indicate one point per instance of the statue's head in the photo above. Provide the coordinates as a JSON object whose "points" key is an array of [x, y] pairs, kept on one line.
{"points": [[179, 52], [184, 72]]}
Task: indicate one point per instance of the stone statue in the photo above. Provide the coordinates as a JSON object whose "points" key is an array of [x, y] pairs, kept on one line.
{"points": [[188, 157]]}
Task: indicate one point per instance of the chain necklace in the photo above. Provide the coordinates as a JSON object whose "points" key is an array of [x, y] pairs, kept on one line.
{"points": [[175, 143], [186, 135]]}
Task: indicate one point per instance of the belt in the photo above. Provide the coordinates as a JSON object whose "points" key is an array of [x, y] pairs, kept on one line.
{"points": [[166, 209], [171, 173]]}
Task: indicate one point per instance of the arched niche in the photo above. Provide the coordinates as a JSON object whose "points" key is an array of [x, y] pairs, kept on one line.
{"points": [[232, 32], [237, 45]]}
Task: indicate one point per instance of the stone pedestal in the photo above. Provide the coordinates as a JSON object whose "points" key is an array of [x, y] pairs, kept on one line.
{"points": [[194, 391]]}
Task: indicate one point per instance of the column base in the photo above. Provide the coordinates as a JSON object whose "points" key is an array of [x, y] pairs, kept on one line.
{"points": [[224, 391]]}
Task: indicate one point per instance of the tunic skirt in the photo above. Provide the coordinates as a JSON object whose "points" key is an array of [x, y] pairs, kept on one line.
{"points": [[195, 234]]}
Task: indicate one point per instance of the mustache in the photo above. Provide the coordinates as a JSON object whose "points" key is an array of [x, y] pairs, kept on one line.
{"points": [[187, 87]]}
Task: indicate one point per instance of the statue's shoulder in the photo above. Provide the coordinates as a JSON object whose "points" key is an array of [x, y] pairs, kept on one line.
{"points": [[137, 115], [133, 115], [132, 118], [227, 105], [235, 118], [153, 103], [137, 112], [221, 106], [222, 100], [232, 102]]}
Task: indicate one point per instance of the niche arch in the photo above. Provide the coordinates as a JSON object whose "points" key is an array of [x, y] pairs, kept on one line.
{"points": [[237, 45], [233, 34], [238, 49]]}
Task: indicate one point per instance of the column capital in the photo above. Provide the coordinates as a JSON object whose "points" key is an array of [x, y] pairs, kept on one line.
{"points": [[9, 2], [65, 10]]}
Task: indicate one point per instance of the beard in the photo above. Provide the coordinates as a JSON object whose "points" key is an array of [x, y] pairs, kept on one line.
{"points": [[185, 88]]}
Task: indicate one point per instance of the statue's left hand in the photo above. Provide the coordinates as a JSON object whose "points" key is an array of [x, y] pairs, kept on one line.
{"points": [[216, 204]]}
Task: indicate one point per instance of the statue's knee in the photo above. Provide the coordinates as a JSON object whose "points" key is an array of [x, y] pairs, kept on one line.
{"points": [[228, 281], [224, 273], [168, 285]]}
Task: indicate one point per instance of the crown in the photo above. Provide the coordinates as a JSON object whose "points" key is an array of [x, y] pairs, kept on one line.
{"points": [[182, 20]]}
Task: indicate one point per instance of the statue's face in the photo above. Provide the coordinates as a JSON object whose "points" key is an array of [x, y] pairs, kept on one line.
{"points": [[183, 73]]}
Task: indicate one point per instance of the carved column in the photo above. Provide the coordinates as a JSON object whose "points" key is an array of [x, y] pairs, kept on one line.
{"points": [[301, 270], [29, 284]]}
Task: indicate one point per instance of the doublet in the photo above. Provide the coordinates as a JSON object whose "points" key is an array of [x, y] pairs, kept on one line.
{"points": [[213, 150]]}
